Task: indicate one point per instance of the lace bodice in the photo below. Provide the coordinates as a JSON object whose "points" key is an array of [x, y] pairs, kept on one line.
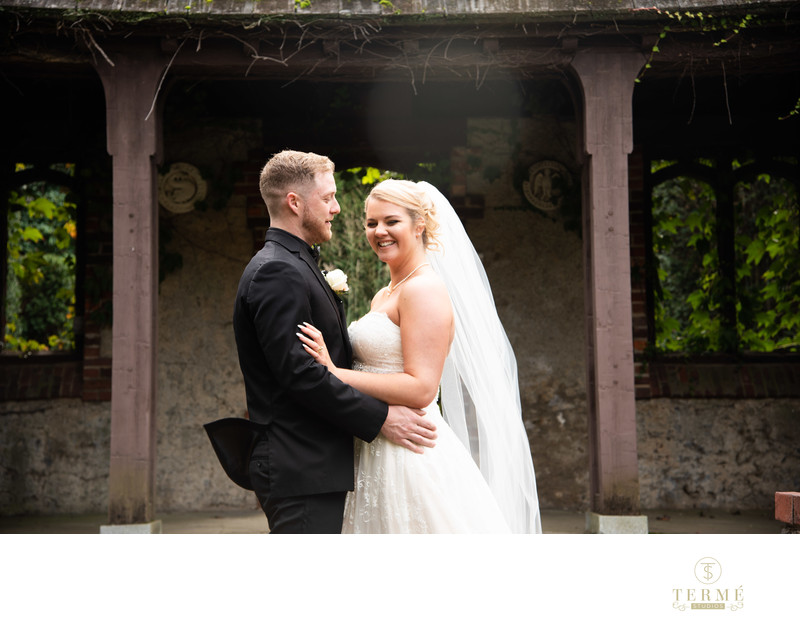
{"points": [[376, 344]]}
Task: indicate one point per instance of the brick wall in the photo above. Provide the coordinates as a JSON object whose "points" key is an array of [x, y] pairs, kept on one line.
{"points": [[709, 379], [257, 216], [98, 296], [45, 377], [639, 228]]}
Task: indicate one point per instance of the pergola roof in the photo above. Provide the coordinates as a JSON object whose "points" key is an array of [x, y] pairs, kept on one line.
{"points": [[545, 10], [354, 39]]}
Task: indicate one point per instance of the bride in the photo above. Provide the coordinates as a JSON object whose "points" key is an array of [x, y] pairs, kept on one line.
{"points": [[434, 329]]}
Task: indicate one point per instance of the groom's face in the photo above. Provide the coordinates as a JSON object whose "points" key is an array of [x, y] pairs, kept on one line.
{"points": [[319, 209]]}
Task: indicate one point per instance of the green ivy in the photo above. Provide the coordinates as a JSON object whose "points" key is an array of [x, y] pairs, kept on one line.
{"points": [[41, 255], [349, 250], [689, 287], [723, 27]]}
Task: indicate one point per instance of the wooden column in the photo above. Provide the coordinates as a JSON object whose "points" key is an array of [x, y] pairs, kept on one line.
{"points": [[133, 142], [607, 80]]}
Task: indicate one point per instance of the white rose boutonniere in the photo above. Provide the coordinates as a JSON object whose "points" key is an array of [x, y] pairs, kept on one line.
{"points": [[337, 280]]}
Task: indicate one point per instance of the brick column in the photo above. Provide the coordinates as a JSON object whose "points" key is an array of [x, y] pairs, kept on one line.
{"points": [[133, 142], [641, 243], [98, 291], [787, 511], [256, 210], [607, 80]]}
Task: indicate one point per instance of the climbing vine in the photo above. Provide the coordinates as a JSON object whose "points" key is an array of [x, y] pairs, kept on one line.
{"points": [[692, 285], [41, 255], [698, 21]]}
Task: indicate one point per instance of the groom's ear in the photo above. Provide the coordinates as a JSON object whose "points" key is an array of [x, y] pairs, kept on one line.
{"points": [[293, 201]]}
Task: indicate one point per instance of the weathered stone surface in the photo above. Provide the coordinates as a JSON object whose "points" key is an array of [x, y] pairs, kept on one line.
{"points": [[716, 453], [726, 454], [599, 523], [198, 371], [54, 456], [535, 267], [133, 528]]}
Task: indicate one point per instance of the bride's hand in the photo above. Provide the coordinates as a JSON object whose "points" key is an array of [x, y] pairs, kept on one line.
{"points": [[314, 344]]}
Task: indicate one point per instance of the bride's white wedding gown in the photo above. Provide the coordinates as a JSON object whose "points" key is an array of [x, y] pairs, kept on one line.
{"points": [[399, 491]]}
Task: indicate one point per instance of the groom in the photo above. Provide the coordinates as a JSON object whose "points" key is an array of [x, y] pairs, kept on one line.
{"points": [[302, 464]]}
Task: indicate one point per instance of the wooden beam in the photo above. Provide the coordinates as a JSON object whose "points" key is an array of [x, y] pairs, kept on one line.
{"points": [[607, 80], [133, 142]]}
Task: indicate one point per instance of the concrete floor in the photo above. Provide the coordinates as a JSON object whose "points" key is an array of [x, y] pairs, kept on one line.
{"points": [[553, 521]]}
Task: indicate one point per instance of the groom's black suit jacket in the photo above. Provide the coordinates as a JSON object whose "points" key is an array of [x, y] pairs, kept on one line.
{"points": [[309, 416]]}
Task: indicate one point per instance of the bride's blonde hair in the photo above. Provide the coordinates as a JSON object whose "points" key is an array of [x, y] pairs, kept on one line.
{"points": [[415, 201]]}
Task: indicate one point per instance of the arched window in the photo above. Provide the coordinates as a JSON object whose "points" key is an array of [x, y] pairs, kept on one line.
{"points": [[40, 304], [725, 260]]}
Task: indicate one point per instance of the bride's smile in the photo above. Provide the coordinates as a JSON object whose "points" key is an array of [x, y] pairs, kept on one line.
{"points": [[392, 234]]}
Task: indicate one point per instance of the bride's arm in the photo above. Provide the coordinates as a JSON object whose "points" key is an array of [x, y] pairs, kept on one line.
{"points": [[426, 325]]}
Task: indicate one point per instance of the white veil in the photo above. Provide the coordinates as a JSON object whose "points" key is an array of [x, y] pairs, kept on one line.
{"points": [[479, 388]]}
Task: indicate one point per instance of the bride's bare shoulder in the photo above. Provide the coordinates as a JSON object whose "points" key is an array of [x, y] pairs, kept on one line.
{"points": [[427, 292], [378, 298]]}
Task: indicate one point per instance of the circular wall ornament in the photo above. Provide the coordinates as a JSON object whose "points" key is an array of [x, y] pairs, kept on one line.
{"points": [[181, 187], [546, 185]]}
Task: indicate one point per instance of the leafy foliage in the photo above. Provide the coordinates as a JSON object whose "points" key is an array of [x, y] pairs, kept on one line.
{"points": [[690, 286], [723, 27], [40, 283], [683, 222], [768, 265], [349, 250]]}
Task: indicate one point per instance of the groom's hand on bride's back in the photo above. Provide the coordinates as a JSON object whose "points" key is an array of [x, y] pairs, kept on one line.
{"points": [[408, 427]]}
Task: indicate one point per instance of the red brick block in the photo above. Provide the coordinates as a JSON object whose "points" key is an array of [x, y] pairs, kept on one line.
{"points": [[256, 209], [787, 507]]}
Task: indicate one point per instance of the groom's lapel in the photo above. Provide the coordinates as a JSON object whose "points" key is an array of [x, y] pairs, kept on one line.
{"points": [[336, 302], [294, 245]]}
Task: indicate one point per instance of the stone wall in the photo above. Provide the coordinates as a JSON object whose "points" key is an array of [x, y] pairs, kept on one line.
{"points": [[534, 264], [198, 371], [717, 453], [54, 454], [535, 268]]}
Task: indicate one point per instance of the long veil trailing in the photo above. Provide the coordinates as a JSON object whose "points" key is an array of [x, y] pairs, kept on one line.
{"points": [[479, 388]]}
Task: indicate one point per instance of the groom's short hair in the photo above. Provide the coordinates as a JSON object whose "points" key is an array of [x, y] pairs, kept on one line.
{"points": [[288, 170]]}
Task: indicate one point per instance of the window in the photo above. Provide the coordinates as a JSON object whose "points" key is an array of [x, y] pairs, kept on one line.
{"points": [[40, 236], [725, 259]]}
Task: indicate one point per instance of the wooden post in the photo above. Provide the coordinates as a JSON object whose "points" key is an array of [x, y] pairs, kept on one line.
{"points": [[607, 80], [133, 142]]}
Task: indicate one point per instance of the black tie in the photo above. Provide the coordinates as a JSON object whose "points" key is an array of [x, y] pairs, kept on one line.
{"points": [[315, 252]]}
